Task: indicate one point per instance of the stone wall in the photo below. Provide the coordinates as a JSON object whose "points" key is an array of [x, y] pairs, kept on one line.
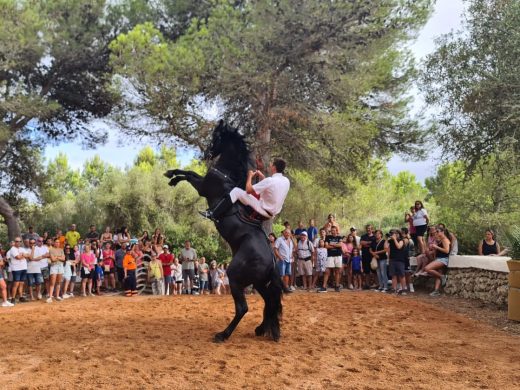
{"points": [[473, 283]]}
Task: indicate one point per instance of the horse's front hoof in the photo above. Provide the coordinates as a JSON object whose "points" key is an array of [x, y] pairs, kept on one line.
{"points": [[219, 338], [169, 174]]}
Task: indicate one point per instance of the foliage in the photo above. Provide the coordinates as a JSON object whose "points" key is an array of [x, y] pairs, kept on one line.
{"points": [[470, 204], [138, 197], [322, 76], [472, 81], [380, 199]]}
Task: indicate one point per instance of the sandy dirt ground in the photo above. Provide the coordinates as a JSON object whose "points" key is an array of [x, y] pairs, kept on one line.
{"points": [[341, 340]]}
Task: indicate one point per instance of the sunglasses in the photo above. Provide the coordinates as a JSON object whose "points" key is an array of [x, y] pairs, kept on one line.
{"points": [[17, 241]]}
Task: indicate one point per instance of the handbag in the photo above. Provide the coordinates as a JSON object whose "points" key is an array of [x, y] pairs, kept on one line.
{"points": [[373, 263]]}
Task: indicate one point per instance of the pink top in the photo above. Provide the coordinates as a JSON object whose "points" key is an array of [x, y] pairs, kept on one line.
{"points": [[347, 248], [88, 260], [108, 258]]}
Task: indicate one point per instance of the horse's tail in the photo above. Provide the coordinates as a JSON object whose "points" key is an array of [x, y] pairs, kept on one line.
{"points": [[273, 305]]}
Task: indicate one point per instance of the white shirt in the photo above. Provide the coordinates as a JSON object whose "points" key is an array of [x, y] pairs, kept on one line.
{"points": [[273, 191], [33, 267], [305, 249], [419, 217], [40, 251], [17, 264], [285, 248]]}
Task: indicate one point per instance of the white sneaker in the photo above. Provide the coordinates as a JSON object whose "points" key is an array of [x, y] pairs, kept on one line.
{"points": [[7, 304], [59, 298], [66, 296], [40, 296], [410, 288], [49, 300], [292, 288], [71, 294]]}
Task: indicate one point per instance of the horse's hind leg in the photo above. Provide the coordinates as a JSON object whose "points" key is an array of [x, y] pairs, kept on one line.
{"points": [[270, 325], [240, 311]]}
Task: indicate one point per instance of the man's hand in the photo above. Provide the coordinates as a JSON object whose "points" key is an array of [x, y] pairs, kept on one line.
{"points": [[260, 175]]}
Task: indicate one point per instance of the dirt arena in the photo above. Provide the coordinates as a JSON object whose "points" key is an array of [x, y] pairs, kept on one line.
{"points": [[335, 340]]}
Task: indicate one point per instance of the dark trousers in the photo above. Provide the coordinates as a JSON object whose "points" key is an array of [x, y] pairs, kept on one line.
{"points": [[130, 281]]}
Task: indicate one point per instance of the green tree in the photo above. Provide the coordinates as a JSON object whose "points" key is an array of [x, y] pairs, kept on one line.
{"points": [[472, 81], [324, 77], [470, 204]]}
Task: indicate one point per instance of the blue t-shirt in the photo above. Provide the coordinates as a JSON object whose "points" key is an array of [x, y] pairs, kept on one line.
{"points": [[99, 272], [356, 263], [312, 232]]}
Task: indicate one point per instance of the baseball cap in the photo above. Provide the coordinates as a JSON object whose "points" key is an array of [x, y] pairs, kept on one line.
{"points": [[352, 228], [165, 247], [303, 233]]}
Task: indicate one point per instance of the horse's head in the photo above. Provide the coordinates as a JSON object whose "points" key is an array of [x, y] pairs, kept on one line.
{"points": [[223, 136], [231, 149]]}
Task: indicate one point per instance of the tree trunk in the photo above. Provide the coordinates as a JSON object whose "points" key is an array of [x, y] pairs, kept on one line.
{"points": [[10, 219], [263, 153]]}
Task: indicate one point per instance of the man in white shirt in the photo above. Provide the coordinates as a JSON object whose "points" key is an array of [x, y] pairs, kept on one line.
{"points": [[38, 260], [18, 267], [266, 197], [283, 250]]}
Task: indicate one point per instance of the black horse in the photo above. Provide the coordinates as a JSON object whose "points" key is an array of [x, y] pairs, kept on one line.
{"points": [[253, 259]]}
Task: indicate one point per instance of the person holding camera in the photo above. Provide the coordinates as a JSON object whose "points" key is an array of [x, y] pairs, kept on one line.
{"points": [[420, 223], [395, 249], [378, 251]]}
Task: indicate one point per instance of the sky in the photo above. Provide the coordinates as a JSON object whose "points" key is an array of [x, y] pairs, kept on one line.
{"points": [[122, 152]]}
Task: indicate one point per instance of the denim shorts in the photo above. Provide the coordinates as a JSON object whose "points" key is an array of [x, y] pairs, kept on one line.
{"points": [[168, 279], [443, 260], [396, 268], [45, 273], [34, 279], [19, 276], [284, 268], [203, 285]]}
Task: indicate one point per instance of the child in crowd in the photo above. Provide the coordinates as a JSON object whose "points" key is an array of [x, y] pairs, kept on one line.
{"points": [[216, 275], [321, 262], [357, 270], [130, 270], [225, 280], [177, 275], [156, 275], [99, 275], [88, 260]]}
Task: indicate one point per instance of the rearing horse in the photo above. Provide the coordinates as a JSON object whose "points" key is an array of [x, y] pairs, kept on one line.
{"points": [[253, 259]]}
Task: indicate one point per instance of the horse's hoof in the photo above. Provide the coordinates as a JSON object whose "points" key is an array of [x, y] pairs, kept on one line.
{"points": [[276, 338], [169, 174], [173, 182], [260, 331], [219, 338]]}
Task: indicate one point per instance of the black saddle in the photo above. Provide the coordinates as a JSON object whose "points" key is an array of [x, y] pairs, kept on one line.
{"points": [[248, 215]]}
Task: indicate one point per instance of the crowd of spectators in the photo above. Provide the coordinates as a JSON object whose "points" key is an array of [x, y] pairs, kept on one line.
{"points": [[61, 266], [314, 259]]}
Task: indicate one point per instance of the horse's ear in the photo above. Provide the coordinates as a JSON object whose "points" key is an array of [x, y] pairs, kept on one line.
{"points": [[221, 125]]}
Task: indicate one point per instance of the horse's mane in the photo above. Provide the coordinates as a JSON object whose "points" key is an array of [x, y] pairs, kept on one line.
{"points": [[233, 152]]}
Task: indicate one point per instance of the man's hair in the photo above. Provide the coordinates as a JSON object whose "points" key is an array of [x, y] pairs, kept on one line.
{"points": [[279, 165]]}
